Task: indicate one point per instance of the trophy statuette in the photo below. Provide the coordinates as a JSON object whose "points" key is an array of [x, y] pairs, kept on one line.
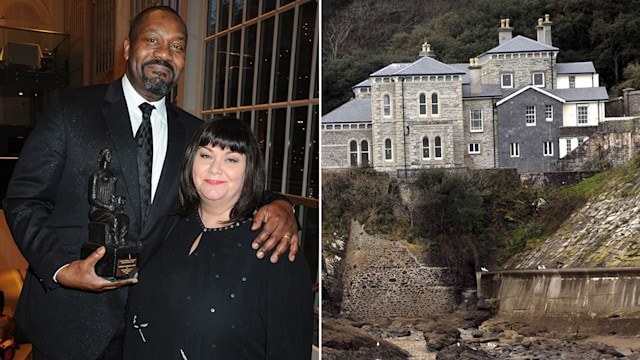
{"points": [[109, 225]]}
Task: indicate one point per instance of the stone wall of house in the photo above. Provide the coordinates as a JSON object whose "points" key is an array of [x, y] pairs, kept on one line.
{"points": [[386, 278], [335, 144], [521, 66], [486, 159], [407, 128]]}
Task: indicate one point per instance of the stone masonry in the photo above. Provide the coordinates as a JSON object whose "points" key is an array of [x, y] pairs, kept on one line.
{"points": [[384, 278]]}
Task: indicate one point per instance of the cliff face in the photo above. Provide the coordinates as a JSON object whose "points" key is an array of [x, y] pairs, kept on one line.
{"points": [[605, 232]]}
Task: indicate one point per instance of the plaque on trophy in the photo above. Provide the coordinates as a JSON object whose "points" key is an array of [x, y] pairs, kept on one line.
{"points": [[109, 225]]}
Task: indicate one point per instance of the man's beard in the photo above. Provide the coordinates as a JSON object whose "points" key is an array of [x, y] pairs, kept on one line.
{"points": [[157, 85]]}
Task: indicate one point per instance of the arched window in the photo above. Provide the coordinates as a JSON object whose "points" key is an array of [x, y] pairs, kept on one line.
{"points": [[422, 104], [388, 153], [425, 148], [435, 107], [437, 147], [364, 152], [386, 105], [353, 153]]}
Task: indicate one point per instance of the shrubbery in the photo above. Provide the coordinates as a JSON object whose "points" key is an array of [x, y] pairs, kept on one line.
{"points": [[471, 218]]}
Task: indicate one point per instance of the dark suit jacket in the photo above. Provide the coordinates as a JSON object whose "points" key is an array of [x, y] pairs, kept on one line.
{"points": [[46, 207]]}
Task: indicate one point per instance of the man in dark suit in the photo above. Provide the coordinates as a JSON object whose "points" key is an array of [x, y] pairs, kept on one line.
{"points": [[65, 309]]}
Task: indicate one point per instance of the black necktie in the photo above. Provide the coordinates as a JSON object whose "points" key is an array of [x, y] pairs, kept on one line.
{"points": [[144, 138]]}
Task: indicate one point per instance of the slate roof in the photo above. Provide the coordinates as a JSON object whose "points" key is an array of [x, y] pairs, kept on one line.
{"points": [[353, 111], [488, 90], [429, 66], [391, 69], [463, 68], [582, 94], [423, 66], [576, 68], [364, 83], [520, 44]]}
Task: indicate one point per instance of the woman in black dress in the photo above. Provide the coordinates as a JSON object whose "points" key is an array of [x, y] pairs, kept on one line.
{"points": [[205, 295]]}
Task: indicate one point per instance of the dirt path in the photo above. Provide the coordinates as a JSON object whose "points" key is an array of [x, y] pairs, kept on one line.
{"points": [[415, 345]]}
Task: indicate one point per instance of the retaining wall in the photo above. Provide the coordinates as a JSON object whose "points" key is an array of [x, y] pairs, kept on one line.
{"points": [[566, 295]]}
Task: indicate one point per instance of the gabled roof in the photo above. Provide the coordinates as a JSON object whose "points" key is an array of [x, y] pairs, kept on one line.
{"points": [[526, 88], [576, 68], [520, 44], [353, 111], [563, 95], [423, 66]]}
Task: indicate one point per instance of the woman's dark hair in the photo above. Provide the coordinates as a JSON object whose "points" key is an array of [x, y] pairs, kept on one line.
{"points": [[237, 136]]}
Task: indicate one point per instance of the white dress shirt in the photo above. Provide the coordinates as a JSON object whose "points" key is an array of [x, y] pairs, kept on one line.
{"points": [[158, 125]]}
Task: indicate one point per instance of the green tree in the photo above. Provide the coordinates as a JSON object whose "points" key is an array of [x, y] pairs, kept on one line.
{"points": [[450, 204], [631, 75]]}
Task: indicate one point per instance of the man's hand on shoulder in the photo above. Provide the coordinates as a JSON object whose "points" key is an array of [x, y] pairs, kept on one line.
{"points": [[280, 228]]}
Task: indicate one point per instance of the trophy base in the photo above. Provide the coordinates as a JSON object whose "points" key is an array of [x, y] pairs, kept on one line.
{"points": [[118, 262]]}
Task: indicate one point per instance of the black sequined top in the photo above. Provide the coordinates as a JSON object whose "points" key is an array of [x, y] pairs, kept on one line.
{"points": [[220, 302]]}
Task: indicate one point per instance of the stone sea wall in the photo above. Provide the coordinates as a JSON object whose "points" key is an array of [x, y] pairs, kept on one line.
{"points": [[384, 278], [586, 295]]}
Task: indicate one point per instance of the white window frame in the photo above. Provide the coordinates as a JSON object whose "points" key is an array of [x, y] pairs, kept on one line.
{"points": [[582, 117], [475, 120], [353, 154], [547, 148], [533, 79], [388, 149], [364, 151], [386, 105], [502, 80], [548, 112], [437, 148], [435, 104], [572, 81], [530, 115], [426, 148], [474, 148], [568, 146], [514, 150], [423, 109]]}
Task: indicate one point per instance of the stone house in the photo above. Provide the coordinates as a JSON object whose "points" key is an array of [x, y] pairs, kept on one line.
{"points": [[504, 109]]}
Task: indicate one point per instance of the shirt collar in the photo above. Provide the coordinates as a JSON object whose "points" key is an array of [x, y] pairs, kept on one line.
{"points": [[134, 99]]}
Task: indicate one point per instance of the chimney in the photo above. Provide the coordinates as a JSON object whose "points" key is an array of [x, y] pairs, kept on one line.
{"points": [[426, 51], [544, 30], [505, 33], [475, 80]]}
